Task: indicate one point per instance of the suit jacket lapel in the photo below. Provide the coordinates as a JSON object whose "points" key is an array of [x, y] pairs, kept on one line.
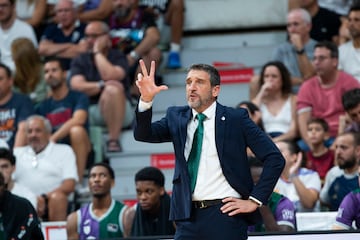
{"points": [[220, 126], [183, 123]]}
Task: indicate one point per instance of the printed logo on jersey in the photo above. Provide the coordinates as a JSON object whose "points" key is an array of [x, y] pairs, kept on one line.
{"points": [[111, 227], [7, 123], [87, 227]]}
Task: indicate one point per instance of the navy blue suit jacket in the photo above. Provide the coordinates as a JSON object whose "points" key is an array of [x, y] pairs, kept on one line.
{"points": [[234, 132]]}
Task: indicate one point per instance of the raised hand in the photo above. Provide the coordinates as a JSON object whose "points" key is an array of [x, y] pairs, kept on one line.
{"points": [[146, 82]]}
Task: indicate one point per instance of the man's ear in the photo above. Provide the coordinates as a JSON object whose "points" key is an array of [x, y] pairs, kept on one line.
{"points": [[162, 191]]}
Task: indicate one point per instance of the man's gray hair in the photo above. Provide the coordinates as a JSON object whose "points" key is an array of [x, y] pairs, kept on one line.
{"points": [[46, 122], [305, 15]]}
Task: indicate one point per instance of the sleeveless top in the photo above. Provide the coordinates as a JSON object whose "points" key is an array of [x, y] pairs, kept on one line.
{"points": [[105, 227], [280, 122]]}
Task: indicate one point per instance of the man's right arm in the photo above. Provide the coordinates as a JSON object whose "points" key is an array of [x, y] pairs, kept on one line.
{"points": [[303, 117], [49, 48], [71, 227], [79, 83]]}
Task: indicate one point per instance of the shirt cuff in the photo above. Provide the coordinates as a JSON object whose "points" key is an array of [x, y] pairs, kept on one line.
{"points": [[258, 202], [143, 106]]}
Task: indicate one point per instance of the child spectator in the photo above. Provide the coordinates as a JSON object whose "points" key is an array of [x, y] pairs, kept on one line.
{"points": [[320, 158]]}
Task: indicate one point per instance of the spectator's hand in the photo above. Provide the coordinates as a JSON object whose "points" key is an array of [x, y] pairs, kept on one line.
{"points": [[102, 43], [294, 169], [233, 206], [295, 39], [146, 82]]}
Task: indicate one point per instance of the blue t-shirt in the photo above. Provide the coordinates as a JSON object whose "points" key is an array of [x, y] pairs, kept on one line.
{"points": [[54, 33], [60, 111], [17, 109]]}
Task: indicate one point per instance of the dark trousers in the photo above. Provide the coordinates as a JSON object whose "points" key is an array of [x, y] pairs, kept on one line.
{"points": [[210, 223]]}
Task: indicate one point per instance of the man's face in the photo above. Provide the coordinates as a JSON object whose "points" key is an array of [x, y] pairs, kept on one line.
{"points": [[6, 11], [54, 76], [297, 25], [122, 8], [93, 31], [323, 63], [100, 181], [148, 195], [65, 13], [346, 152], [7, 169], [354, 24], [354, 114], [6, 83], [199, 92], [37, 135]]}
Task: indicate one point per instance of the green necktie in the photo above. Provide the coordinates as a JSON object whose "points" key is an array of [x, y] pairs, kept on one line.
{"points": [[195, 153]]}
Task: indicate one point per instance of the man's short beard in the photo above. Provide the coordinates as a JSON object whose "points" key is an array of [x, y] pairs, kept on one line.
{"points": [[348, 164]]}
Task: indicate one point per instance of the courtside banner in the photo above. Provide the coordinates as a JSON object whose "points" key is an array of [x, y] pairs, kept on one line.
{"points": [[163, 160], [233, 72]]}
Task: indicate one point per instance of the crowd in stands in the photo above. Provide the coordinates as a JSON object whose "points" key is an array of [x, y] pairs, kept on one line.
{"points": [[67, 65]]}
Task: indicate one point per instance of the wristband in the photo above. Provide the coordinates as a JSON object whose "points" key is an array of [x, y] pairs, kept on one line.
{"points": [[134, 55], [301, 51], [101, 84]]}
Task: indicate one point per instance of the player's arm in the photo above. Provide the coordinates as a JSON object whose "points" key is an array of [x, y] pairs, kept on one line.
{"points": [[71, 227]]}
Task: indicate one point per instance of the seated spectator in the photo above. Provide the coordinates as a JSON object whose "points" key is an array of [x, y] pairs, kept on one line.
{"points": [[101, 73], [276, 101], [351, 103], [301, 185], [343, 178], [319, 158], [95, 10], [93, 220], [15, 108], [28, 76], [12, 28], [150, 216], [325, 23], [348, 211], [320, 96], [67, 111], [48, 169], [279, 213], [65, 38], [7, 167], [134, 31], [33, 12], [296, 53], [171, 13], [349, 52], [254, 112], [18, 216]]}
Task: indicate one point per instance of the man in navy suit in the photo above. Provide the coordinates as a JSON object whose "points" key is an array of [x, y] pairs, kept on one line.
{"points": [[225, 199]]}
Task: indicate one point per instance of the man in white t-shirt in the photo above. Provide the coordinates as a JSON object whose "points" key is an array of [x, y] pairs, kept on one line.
{"points": [[12, 28], [349, 52], [46, 168], [7, 167]]}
